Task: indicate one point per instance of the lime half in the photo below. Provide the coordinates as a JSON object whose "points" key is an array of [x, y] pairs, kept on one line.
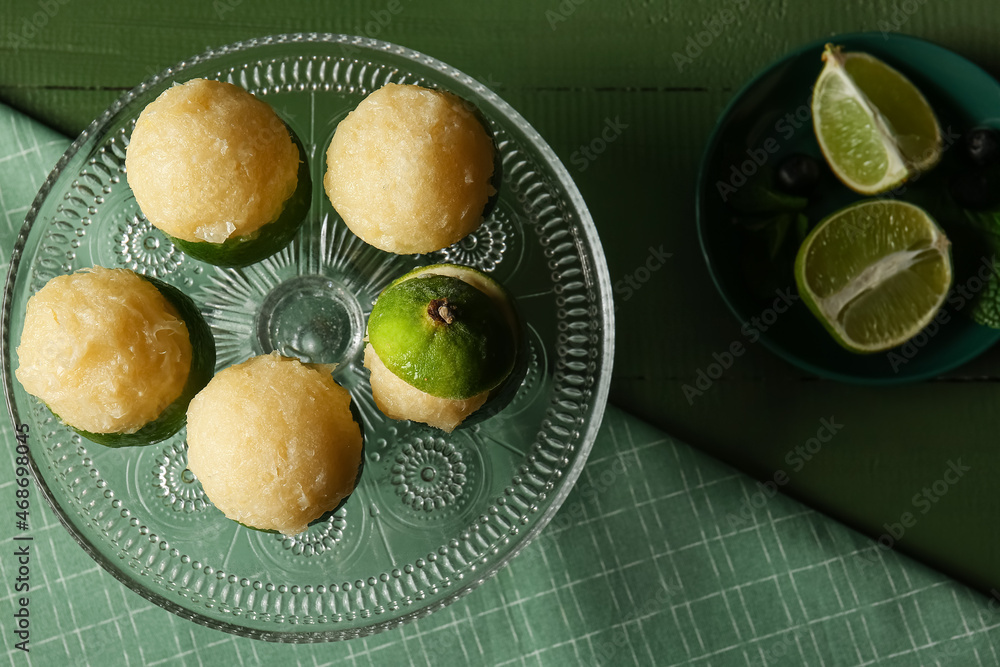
{"points": [[874, 127], [443, 340], [442, 335], [874, 273]]}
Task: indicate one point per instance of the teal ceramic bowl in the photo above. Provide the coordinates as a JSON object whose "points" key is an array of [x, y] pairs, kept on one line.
{"points": [[770, 119]]}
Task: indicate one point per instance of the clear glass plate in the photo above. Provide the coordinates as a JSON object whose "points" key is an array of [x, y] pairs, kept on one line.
{"points": [[435, 514]]}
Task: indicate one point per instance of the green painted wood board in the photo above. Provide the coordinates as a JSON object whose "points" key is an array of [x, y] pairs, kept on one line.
{"points": [[615, 61]]}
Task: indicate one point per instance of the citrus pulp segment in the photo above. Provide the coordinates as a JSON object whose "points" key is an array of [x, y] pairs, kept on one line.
{"points": [[874, 273], [873, 125]]}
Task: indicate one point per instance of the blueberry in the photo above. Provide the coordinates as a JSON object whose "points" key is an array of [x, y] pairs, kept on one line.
{"points": [[982, 146], [798, 174]]}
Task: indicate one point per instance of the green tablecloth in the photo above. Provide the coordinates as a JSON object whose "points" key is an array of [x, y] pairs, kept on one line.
{"points": [[661, 555]]}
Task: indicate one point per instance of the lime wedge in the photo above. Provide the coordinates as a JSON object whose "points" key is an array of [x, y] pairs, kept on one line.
{"points": [[874, 273], [874, 127]]}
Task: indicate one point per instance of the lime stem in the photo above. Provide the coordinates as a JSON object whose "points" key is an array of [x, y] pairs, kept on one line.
{"points": [[441, 311]]}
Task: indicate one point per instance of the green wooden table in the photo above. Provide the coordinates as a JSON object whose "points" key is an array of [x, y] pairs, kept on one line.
{"points": [[627, 94]]}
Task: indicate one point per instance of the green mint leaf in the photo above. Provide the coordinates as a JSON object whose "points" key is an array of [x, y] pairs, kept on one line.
{"points": [[985, 307]]}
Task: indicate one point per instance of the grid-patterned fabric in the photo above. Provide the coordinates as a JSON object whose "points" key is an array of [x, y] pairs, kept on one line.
{"points": [[661, 555]]}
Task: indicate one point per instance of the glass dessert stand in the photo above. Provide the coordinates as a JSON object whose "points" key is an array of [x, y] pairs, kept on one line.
{"points": [[435, 514]]}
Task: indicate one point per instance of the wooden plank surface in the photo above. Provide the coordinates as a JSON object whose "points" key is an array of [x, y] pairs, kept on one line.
{"points": [[571, 68]]}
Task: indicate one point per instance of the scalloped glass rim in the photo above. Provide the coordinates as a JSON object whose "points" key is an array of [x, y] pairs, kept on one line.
{"points": [[596, 275]]}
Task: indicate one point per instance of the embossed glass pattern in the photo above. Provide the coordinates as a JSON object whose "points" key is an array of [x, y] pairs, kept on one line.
{"points": [[435, 514]]}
